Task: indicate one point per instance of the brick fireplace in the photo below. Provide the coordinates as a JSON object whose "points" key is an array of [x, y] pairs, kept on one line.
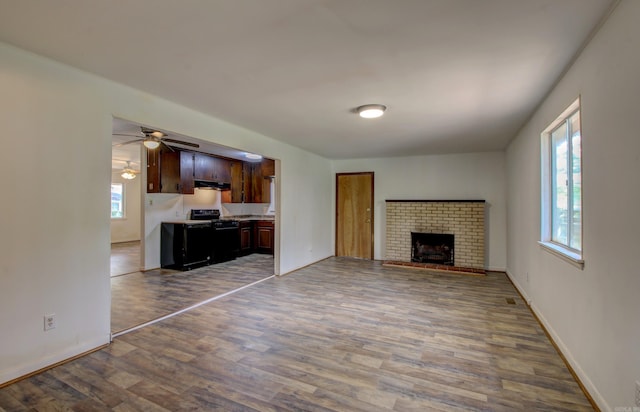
{"points": [[462, 220]]}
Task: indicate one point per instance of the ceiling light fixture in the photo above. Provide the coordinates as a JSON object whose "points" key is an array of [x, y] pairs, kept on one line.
{"points": [[253, 156], [371, 111], [151, 143], [128, 173]]}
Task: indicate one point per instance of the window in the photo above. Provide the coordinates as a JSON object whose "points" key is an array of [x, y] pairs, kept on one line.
{"points": [[561, 223], [117, 200]]}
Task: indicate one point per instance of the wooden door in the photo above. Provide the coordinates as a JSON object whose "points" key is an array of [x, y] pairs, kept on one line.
{"points": [[354, 215]]}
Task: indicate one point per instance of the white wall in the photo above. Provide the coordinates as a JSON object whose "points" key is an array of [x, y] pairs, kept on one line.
{"points": [[54, 248], [443, 177], [591, 313], [128, 228]]}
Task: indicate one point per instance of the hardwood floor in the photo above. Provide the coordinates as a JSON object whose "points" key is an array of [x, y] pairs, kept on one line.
{"points": [[125, 258], [144, 296], [339, 335]]}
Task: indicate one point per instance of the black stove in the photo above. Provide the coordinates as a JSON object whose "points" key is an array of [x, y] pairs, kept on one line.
{"points": [[225, 238]]}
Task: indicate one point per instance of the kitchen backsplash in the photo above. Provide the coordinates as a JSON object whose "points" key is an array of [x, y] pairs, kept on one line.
{"points": [[239, 209]]}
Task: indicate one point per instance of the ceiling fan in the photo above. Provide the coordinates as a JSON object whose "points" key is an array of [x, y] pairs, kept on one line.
{"points": [[152, 139], [128, 172]]}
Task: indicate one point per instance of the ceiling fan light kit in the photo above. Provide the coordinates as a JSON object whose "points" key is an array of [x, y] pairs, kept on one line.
{"points": [[128, 173], [371, 111], [151, 144], [152, 139]]}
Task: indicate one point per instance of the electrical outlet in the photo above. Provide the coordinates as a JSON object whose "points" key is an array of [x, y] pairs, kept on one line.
{"points": [[637, 393], [49, 321]]}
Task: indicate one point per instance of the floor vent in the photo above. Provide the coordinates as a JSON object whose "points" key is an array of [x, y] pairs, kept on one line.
{"points": [[511, 301]]}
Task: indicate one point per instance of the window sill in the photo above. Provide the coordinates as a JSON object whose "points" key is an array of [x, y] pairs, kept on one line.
{"points": [[565, 254]]}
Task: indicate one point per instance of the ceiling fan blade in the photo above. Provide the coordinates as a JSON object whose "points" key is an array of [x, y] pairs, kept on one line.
{"points": [[129, 142], [180, 142]]}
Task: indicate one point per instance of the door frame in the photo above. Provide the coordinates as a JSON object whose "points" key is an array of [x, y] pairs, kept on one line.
{"points": [[372, 174]]}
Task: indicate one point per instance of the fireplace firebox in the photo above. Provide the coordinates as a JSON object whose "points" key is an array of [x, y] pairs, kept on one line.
{"points": [[435, 248]]}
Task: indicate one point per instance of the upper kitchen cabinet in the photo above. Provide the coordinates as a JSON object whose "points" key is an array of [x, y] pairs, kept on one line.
{"points": [[250, 182], [169, 171], [210, 168], [268, 168], [153, 170], [240, 182], [261, 181]]}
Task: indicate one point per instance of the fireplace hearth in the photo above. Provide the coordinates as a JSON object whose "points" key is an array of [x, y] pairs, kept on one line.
{"points": [[437, 248]]}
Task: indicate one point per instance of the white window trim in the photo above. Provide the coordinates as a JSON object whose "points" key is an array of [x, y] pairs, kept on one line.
{"points": [[562, 252], [575, 257]]}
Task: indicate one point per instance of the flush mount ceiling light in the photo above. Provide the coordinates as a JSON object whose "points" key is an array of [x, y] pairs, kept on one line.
{"points": [[253, 156], [371, 111]]}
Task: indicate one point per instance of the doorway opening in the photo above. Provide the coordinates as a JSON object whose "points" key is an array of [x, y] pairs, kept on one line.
{"points": [[137, 296]]}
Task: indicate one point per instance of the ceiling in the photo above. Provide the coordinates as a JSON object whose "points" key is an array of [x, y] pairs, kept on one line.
{"points": [[456, 75]]}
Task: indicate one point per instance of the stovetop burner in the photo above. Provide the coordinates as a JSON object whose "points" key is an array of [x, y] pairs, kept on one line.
{"points": [[213, 215], [205, 214]]}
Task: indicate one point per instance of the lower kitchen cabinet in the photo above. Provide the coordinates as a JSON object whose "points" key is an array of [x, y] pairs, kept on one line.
{"points": [[264, 236], [246, 238]]}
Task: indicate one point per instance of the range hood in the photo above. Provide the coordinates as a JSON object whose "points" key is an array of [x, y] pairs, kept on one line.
{"points": [[207, 184]]}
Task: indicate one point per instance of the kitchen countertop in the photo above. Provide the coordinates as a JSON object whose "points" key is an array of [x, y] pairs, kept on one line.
{"points": [[187, 222], [250, 217]]}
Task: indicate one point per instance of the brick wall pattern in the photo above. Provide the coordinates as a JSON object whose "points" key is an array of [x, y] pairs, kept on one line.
{"points": [[465, 220]]}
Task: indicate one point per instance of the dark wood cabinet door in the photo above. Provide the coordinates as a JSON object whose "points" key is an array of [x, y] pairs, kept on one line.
{"points": [[222, 170], [186, 173], [236, 182], [203, 167], [264, 237], [169, 172], [211, 168], [246, 235], [261, 182], [268, 167], [153, 170]]}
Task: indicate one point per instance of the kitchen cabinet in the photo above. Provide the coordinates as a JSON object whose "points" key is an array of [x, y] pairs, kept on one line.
{"points": [[264, 236], [176, 172], [211, 168], [169, 171], [153, 170], [240, 182], [246, 238], [261, 174]]}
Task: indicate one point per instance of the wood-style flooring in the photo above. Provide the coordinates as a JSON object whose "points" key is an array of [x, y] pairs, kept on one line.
{"points": [[125, 258], [140, 297], [339, 335]]}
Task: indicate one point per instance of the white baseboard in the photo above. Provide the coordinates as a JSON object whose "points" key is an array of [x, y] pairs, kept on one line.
{"points": [[51, 360], [557, 341]]}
